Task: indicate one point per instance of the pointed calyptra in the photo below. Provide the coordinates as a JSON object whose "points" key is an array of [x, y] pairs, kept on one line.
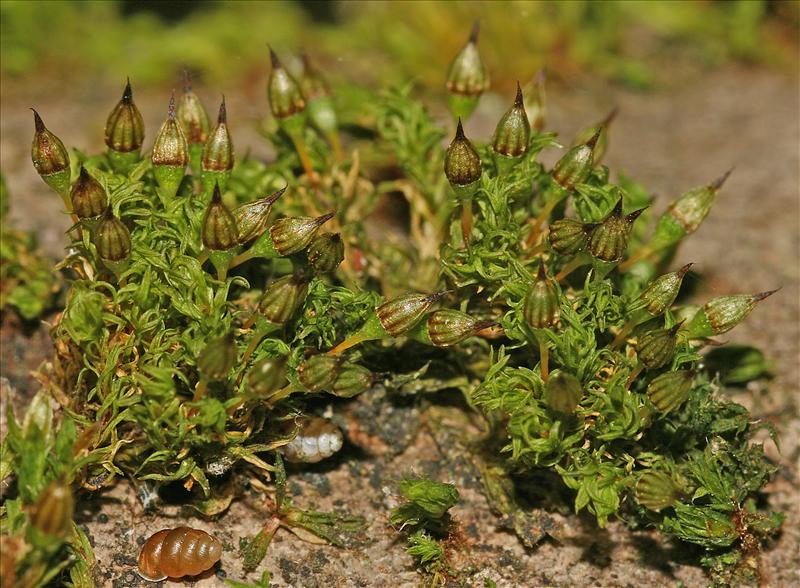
{"points": [[170, 154], [218, 230], [352, 380], [218, 357], [319, 372], [576, 164], [124, 133], [266, 377], [661, 292], [283, 297], [217, 158], [88, 196], [462, 165], [319, 104], [720, 315], [535, 91], [326, 252], [513, 131], [112, 238], [52, 512], [657, 490], [447, 327], [293, 234], [601, 147], [252, 217], [195, 123], [563, 392], [668, 391], [399, 315], [656, 348], [542, 304], [568, 236], [609, 239], [50, 158], [467, 78], [685, 214]]}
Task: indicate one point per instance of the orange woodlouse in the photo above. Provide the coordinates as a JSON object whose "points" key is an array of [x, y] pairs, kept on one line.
{"points": [[173, 553]]}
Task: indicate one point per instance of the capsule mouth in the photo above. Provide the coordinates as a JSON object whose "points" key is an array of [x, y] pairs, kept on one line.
{"points": [[717, 184], [38, 123], [761, 295], [684, 270], [437, 295], [273, 198], [321, 220], [484, 324]]}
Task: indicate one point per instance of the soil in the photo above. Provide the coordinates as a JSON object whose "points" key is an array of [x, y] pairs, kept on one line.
{"points": [[686, 133]]}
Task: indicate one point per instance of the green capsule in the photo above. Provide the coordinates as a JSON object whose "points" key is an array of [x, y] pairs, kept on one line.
{"points": [[448, 327], [326, 252], [251, 217], [609, 239], [124, 132], [352, 380], [576, 164], [50, 157], [218, 357], [467, 78], [462, 164], [170, 153], [112, 238], [52, 512], [88, 196], [218, 231], [568, 236], [319, 372], [537, 102], [399, 315], [661, 292], [684, 215], [293, 234], [542, 301], [192, 116], [657, 490], [720, 315], [563, 392], [267, 377], [513, 132], [319, 104], [586, 134], [282, 299], [656, 348], [671, 389], [218, 150], [285, 96]]}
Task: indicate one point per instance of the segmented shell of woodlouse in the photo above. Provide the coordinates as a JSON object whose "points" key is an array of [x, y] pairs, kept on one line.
{"points": [[316, 440], [174, 553]]}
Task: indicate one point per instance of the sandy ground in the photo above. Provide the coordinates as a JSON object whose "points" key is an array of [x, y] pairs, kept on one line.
{"points": [[685, 134]]}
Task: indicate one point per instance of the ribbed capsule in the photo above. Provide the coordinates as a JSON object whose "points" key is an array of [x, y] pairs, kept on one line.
{"points": [[656, 348], [513, 132], [293, 234], [192, 117], [283, 297], [170, 147], [112, 238], [266, 377], [251, 218], [219, 231], [218, 150], [326, 252], [720, 315], [657, 490], [668, 391], [602, 140], [285, 96], [312, 84], [448, 327], [568, 236], [462, 164], [316, 440], [174, 553], [542, 304], [88, 196], [563, 392], [576, 164], [218, 357], [319, 372], [125, 126], [399, 315], [52, 512], [352, 380], [467, 77], [661, 292], [48, 153], [609, 239]]}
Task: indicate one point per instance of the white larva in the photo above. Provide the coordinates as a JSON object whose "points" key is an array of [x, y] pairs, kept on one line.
{"points": [[316, 440]]}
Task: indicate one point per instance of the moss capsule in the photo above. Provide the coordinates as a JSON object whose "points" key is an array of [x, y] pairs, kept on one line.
{"points": [[283, 297], [542, 302], [668, 391], [88, 196], [293, 234], [657, 490]]}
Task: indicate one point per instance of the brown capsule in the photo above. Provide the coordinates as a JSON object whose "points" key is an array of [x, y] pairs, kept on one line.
{"points": [[174, 553]]}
